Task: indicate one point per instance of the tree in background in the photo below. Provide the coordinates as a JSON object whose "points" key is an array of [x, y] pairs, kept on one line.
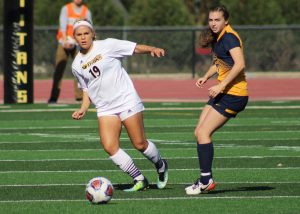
{"points": [[250, 12], [106, 13], [290, 10], [159, 13], [127, 4], [1, 12], [163, 13], [254, 12], [46, 12], [199, 9]]}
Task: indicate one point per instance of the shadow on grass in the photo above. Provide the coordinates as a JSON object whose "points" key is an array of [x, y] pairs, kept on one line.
{"points": [[127, 186], [243, 189]]}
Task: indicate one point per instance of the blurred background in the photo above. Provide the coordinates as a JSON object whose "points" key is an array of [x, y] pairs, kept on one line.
{"points": [[270, 31]]}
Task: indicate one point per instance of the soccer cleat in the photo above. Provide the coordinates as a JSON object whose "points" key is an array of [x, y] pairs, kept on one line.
{"points": [[198, 187], [138, 186], [163, 176]]}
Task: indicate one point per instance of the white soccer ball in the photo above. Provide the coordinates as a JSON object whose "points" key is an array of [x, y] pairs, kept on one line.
{"points": [[99, 190]]}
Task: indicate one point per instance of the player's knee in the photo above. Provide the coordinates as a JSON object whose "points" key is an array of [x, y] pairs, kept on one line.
{"points": [[201, 134], [196, 132], [110, 148], [140, 145]]}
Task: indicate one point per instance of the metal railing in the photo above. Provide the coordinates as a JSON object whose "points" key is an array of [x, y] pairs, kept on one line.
{"points": [[267, 48]]}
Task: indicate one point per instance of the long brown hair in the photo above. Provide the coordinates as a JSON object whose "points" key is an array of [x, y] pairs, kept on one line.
{"points": [[208, 38]]}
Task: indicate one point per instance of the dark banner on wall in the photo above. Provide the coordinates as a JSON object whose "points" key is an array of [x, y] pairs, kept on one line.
{"points": [[18, 51]]}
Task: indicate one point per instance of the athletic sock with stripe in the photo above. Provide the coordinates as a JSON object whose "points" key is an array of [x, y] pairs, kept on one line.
{"points": [[205, 156], [125, 163]]}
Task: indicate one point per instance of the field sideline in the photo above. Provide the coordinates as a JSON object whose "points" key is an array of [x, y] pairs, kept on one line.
{"points": [[46, 158], [181, 88]]}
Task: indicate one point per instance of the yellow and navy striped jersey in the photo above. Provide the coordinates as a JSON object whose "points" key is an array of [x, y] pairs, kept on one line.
{"points": [[227, 40]]}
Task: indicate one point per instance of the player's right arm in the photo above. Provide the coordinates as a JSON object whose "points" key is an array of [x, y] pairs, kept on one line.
{"points": [[211, 71], [77, 115]]}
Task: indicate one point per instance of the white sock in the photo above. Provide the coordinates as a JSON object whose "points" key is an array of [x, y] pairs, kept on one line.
{"points": [[152, 153], [125, 163]]}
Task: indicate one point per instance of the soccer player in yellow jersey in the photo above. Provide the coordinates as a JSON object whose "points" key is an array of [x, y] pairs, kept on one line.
{"points": [[227, 98]]}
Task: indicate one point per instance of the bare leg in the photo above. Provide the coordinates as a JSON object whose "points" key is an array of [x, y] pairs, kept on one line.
{"points": [[210, 120], [135, 129], [136, 133], [109, 131]]}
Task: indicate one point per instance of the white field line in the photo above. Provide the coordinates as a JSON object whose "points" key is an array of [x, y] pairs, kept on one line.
{"points": [[159, 199], [144, 170], [44, 128], [49, 128], [219, 182], [169, 158], [294, 148], [200, 108], [147, 109], [56, 141], [40, 142], [235, 139], [163, 133], [2, 106], [160, 141], [274, 123]]}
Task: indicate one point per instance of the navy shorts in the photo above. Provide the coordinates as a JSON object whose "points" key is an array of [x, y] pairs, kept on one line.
{"points": [[228, 105]]}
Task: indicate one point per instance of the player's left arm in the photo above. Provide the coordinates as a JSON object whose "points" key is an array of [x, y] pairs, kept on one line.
{"points": [[154, 51]]}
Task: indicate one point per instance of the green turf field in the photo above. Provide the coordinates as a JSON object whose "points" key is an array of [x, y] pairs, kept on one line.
{"points": [[46, 158]]}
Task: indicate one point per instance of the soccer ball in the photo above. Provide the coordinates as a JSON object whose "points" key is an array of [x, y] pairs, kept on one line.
{"points": [[99, 190]]}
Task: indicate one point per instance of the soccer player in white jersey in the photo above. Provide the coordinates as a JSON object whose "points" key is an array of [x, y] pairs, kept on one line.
{"points": [[106, 84]]}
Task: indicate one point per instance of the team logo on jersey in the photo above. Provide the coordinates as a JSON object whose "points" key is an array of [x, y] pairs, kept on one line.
{"points": [[93, 61]]}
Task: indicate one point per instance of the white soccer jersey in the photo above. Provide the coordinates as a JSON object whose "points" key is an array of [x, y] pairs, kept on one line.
{"points": [[101, 75]]}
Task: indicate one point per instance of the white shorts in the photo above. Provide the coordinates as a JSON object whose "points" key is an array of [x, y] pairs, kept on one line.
{"points": [[125, 114]]}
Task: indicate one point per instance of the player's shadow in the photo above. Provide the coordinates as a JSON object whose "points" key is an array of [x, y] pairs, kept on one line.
{"points": [[127, 186], [243, 189]]}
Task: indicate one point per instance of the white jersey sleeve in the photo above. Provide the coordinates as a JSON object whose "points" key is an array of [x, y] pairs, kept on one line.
{"points": [[119, 48]]}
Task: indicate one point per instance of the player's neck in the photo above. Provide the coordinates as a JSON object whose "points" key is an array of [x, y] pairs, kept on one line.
{"points": [[86, 51]]}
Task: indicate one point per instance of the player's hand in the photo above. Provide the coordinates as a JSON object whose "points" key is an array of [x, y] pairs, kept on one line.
{"points": [[157, 52], [215, 90], [68, 45], [77, 115], [200, 82]]}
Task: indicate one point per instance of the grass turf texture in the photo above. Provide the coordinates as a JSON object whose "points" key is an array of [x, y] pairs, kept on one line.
{"points": [[46, 158]]}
